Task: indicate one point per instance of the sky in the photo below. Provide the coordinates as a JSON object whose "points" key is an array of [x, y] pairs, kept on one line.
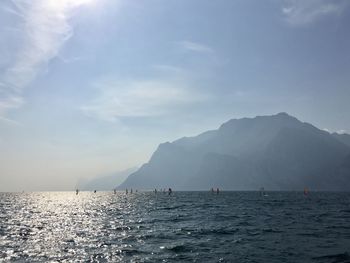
{"points": [[92, 87]]}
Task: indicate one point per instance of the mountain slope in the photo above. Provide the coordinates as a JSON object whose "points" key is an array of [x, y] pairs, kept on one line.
{"points": [[278, 152], [344, 138], [107, 182]]}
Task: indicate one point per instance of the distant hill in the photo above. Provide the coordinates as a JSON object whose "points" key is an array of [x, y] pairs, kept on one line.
{"points": [[107, 182], [277, 152]]}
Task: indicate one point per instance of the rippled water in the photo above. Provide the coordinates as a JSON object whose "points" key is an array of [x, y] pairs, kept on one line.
{"points": [[186, 226]]}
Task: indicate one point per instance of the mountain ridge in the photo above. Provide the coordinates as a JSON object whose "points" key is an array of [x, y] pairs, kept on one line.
{"points": [[277, 152]]}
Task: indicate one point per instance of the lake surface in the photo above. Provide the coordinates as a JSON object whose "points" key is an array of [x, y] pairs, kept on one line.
{"points": [[182, 227]]}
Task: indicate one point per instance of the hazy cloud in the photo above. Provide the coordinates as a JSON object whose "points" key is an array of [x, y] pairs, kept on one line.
{"points": [[44, 28], [143, 98], [168, 68], [196, 47], [69, 60], [304, 12], [9, 102]]}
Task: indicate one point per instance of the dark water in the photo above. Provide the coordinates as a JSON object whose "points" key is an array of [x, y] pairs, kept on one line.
{"points": [[184, 227]]}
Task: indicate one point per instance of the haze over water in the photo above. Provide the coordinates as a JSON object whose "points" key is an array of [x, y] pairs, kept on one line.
{"points": [[182, 227]]}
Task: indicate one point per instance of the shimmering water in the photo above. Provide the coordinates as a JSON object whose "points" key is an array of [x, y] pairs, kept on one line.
{"points": [[184, 227]]}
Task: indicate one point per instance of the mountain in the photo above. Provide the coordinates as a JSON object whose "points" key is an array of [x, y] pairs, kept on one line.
{"points": [[343, 137], [107, 182], [277, 152]]}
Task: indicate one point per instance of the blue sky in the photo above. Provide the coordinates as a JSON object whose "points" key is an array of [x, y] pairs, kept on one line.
{"points": [[90, 87]]}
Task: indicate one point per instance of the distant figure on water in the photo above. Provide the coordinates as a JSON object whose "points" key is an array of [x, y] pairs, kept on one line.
{"points": [[115, 191], [306, 191], [95, 191], [262, 192], [131, 191], [77, 191], [170, 191], [126, 191], [155, 190], [217, 191], [212, 190]]}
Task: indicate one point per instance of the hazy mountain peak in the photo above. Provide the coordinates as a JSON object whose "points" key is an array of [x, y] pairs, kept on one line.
{"points": [[277, 151], [267, 119], [283, 114]]}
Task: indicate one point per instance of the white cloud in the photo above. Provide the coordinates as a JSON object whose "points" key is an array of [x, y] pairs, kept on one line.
{"points": [[196, 47], [44, 29], [144, 98], [304, 12]]}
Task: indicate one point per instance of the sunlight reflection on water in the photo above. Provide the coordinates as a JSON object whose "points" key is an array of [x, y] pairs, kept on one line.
{"points": [[187, 226]]}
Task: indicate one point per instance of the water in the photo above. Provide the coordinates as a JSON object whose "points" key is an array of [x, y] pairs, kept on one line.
{"points": [[184, 227]]}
